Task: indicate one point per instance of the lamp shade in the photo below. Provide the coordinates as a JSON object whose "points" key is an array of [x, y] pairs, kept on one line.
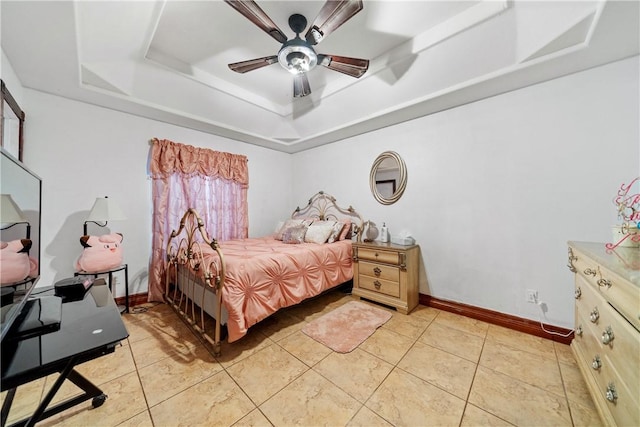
{"points": [[10, 213], [105, 209]]}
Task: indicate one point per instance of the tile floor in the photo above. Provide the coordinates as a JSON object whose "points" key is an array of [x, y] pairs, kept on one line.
{"points": [[428, 368]]}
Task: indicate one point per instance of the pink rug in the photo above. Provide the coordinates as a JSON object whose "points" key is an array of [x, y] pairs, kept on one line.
{"points": [[347, 326]]}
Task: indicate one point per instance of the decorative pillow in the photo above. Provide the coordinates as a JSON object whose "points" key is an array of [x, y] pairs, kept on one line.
{"points": [[319, 232], [287, 224], [290, 223], [100, 253], [335, 233], [15, 262], [346, 231], [295, 234]]}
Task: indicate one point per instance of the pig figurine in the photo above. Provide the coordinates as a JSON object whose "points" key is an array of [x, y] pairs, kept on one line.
{"points": [[15, 262], [101, 253]]}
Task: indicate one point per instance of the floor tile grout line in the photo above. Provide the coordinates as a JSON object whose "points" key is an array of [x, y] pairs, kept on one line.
{"points": [[146, 401], [564, 387]]}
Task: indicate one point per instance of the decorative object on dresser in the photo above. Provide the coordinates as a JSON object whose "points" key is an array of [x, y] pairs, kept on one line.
{"points": [[607, 321], [627, 202], [387, 273]]}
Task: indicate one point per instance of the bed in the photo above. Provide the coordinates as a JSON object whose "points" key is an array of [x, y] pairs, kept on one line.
{"points": [[238, 283]]}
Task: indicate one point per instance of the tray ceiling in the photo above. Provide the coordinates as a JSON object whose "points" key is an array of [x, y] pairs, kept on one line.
{"points": [[167, 60]]}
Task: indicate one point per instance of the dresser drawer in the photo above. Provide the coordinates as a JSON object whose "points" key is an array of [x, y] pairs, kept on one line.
{"points": [[620, 293], [625, 408], [387, 257], [382, 286], [380, 271], [623, 350], [589, 301]]}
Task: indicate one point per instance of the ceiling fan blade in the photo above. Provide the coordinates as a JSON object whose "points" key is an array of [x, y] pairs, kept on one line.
{"points": [[255, 14], [353, 67], [301, 85], [333, 14], [253, 64]]}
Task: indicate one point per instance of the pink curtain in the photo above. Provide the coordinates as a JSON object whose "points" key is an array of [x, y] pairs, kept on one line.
{"points": [[213, 183]]}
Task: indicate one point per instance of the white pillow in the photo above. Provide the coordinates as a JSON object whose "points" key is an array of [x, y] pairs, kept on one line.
{"points": [[319, 232]]}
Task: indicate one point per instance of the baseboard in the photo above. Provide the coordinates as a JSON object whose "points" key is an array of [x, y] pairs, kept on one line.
{"points": [[496, 318], [520, 324], [134, 300]]}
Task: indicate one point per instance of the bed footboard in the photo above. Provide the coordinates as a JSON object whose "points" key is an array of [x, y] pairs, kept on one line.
{"points": [[195, 267]]}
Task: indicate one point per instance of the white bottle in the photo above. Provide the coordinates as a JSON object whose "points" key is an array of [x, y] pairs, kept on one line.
{"points": [[384, 233]]}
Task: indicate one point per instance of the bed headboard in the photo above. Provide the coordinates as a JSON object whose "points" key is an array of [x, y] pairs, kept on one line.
{"points": [[323, 206]]}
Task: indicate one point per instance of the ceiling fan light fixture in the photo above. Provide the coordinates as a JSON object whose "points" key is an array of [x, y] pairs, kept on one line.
{"points": [[296, 56]]}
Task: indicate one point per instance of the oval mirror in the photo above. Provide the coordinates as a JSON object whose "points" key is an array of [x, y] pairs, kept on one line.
{"points": [[388, 177]]}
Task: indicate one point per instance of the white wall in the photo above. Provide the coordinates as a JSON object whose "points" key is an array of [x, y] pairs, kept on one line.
{"points": [[82, 152], [497, 187]]}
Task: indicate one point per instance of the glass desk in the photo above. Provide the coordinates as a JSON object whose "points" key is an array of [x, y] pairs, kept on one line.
{"points": [[89, 328]]}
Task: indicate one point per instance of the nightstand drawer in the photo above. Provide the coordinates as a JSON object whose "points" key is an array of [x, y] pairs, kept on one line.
{"points": [[382, 286], [388, 257], [380, 271]]}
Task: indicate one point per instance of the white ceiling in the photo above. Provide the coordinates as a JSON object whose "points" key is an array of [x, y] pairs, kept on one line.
{"points": [[167, 60]]}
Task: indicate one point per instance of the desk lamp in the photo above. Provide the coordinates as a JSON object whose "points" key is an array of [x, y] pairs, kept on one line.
{"points": [[11, 214], [104, 209]]}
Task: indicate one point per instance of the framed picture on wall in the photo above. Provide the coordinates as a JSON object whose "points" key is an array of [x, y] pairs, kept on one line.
{"points": [[11, 124]]}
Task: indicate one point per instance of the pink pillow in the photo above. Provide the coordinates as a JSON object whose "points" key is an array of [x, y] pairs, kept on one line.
{"points": [[100, 253], [346, 230], [15, 262]]}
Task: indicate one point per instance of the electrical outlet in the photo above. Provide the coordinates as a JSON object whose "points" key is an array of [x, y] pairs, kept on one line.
{"points": [[531, 295]]}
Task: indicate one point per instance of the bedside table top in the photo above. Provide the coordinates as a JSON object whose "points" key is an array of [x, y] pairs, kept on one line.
{"points": [[379, 245]]}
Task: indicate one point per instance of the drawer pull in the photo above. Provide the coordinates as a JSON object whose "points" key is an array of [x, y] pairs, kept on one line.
{"points": [[594, 315], [578, 293], [377, 284], [604, 282], [579, 330], [597, 363], [590, 272], [571, 259], [611, 394], [607, 336], [377, 271]]}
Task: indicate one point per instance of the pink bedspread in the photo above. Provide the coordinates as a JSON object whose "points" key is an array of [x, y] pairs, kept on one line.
{"points": [[264, 275]]}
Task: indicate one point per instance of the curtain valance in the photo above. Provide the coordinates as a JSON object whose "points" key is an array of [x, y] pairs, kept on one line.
{"points": [[168, 157]]}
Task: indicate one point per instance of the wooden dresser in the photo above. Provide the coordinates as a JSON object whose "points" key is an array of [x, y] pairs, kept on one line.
{"points": [[387, 273], [607, 321]]}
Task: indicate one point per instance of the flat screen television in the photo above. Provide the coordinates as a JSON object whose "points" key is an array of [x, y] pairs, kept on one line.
{"points": [[25, 189]]}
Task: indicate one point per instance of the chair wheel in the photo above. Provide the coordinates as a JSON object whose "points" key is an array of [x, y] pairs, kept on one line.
{"points": [[98, 400]]}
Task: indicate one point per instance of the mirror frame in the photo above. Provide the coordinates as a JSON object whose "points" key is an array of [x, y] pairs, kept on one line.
{"points": [[6, 100], [402, 181]]}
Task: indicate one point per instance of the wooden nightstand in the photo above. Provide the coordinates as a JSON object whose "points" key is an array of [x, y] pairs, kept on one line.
{"points": [[387, 273]]}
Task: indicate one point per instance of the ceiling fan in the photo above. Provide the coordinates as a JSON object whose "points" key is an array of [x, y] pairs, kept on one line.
{"points": [[297, 55]]}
